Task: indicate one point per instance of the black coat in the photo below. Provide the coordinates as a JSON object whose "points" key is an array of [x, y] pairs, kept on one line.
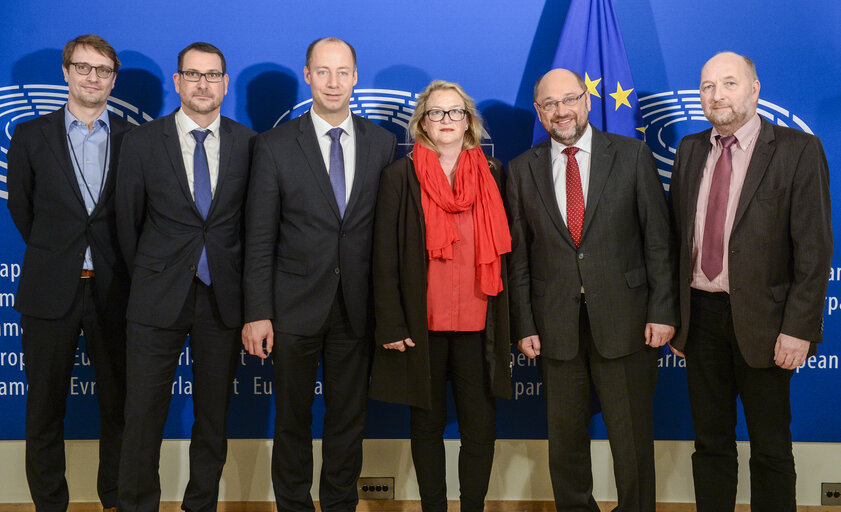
{"points": [[400, 264]]}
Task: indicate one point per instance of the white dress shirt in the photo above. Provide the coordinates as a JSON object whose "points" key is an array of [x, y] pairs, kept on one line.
{"points": [[348, 141], [559, 168], [184, 125]]}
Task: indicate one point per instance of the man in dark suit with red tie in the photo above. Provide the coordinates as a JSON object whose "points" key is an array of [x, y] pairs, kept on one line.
{"points": [[751, 212], [180, 198], [591, 284], [62, 170], [308, 297]]}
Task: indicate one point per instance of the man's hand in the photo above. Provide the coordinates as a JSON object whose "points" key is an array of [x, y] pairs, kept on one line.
{"points": [[530, 346], [790, 352], [253, 334], [400, 345], [657, 335]]}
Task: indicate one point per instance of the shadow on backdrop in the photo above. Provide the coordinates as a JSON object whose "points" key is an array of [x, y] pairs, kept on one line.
{"points": [[264, 92], [140, 82]]}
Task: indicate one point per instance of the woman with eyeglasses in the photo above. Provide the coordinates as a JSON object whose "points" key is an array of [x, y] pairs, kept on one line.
{"points": [[440, 294]]}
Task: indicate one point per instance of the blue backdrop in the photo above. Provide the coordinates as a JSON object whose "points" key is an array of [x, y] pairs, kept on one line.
{"points": [[496, 50]]}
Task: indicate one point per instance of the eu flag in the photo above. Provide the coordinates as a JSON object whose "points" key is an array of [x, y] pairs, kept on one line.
{"points": [[591, 45]]}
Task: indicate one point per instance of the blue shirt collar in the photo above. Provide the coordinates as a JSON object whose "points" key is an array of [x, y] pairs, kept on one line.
{"points": [[70, 120]]}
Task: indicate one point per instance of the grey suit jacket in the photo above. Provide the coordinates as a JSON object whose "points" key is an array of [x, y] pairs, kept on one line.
{"points": [[780, 244], [298, 248], [624, 262]]}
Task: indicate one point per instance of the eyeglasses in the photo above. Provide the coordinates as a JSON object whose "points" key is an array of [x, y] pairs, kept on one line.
{"points": [[83, 68], [194, 76], [552, 105], [456, 114]]}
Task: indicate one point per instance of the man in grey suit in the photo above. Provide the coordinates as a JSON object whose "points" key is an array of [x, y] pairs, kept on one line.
{"points": [[307, 282], [592, 287], [180, 197], [751, 211]]}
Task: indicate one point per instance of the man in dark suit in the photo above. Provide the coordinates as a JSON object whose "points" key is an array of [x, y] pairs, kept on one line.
{"points": [[751, 211], [592, 291], [309, 223], [180, 198], [61, 178]]}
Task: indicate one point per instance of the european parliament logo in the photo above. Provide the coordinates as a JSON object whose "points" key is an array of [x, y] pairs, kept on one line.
{"points": [[20, 103], [389, 108], [669, 116]]}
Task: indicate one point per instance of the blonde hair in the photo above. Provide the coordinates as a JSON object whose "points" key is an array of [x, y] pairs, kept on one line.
{"points": [[473, 135]]}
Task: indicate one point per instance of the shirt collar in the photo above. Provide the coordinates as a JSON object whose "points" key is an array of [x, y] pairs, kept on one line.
{"points": [[70, 121], [187, 125], [744, 135], [584, 143], [322, 127]]}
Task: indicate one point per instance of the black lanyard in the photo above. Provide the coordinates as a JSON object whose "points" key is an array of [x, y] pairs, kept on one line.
{"points": [[82, 171]]}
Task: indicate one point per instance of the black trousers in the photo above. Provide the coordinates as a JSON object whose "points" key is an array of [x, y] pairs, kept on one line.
{"points": [[346, 361], [717, 375], [458, 357], [153, 354], [49, 351], [625, 387]]}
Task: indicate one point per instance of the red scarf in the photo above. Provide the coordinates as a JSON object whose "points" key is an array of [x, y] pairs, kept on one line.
{"points": [[474, 188]]}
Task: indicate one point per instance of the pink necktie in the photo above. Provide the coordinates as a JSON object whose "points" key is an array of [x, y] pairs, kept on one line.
{"points": [[712, 253], [575, 196]]}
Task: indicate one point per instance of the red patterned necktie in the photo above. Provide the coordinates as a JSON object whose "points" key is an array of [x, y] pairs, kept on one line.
{"points": [[712, 250], [575, 196]]}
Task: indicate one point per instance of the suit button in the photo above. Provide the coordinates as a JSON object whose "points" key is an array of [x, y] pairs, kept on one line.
{"points": [[192, 268], [581, 256], [344, 235], [204, 228], [82, 255], [336, 270], [90, 223]]}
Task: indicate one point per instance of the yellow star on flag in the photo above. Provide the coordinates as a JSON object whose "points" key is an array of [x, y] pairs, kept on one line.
{"points": [[621, 96], [591, 85]]}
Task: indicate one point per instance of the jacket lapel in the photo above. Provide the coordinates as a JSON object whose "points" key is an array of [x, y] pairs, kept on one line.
{"points": [[541, 170], [55, 134], [173, 150], [311, 150], [693, 169], [601, 164], [361, 170], [762, 152], [226, 143]]}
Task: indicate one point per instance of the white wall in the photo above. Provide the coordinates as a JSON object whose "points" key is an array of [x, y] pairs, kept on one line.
{"points": [[520, 470]]}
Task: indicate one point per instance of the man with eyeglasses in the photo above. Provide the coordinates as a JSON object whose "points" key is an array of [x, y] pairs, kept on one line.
{"points": [[180, 197], [61, 174], [592, 289], [751, 209], [308, 297]]}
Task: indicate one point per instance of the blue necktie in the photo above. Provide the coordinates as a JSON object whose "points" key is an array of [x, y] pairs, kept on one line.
{"points": [[201, 188], [337, 168]]}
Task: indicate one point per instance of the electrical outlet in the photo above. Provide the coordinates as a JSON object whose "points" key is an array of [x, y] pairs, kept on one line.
{"points": [[830, 494], [375, 488]]}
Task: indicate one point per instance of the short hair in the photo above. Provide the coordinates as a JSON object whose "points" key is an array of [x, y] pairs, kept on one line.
{"points": [[751, 66], [312, 45], [94, 41], [472, 137], [201, 47], [576, 75]]}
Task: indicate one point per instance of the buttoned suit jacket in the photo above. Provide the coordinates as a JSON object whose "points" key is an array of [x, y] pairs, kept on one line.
{"points": [[624, 260], [780, 245], [298, 247], [162, 232], [48, 209]]}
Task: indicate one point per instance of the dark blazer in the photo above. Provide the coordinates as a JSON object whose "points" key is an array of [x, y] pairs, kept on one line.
{"points": [[624, 261], [780, 244], [400, 264], [297, 246], [48, 209], [162, 232]]}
